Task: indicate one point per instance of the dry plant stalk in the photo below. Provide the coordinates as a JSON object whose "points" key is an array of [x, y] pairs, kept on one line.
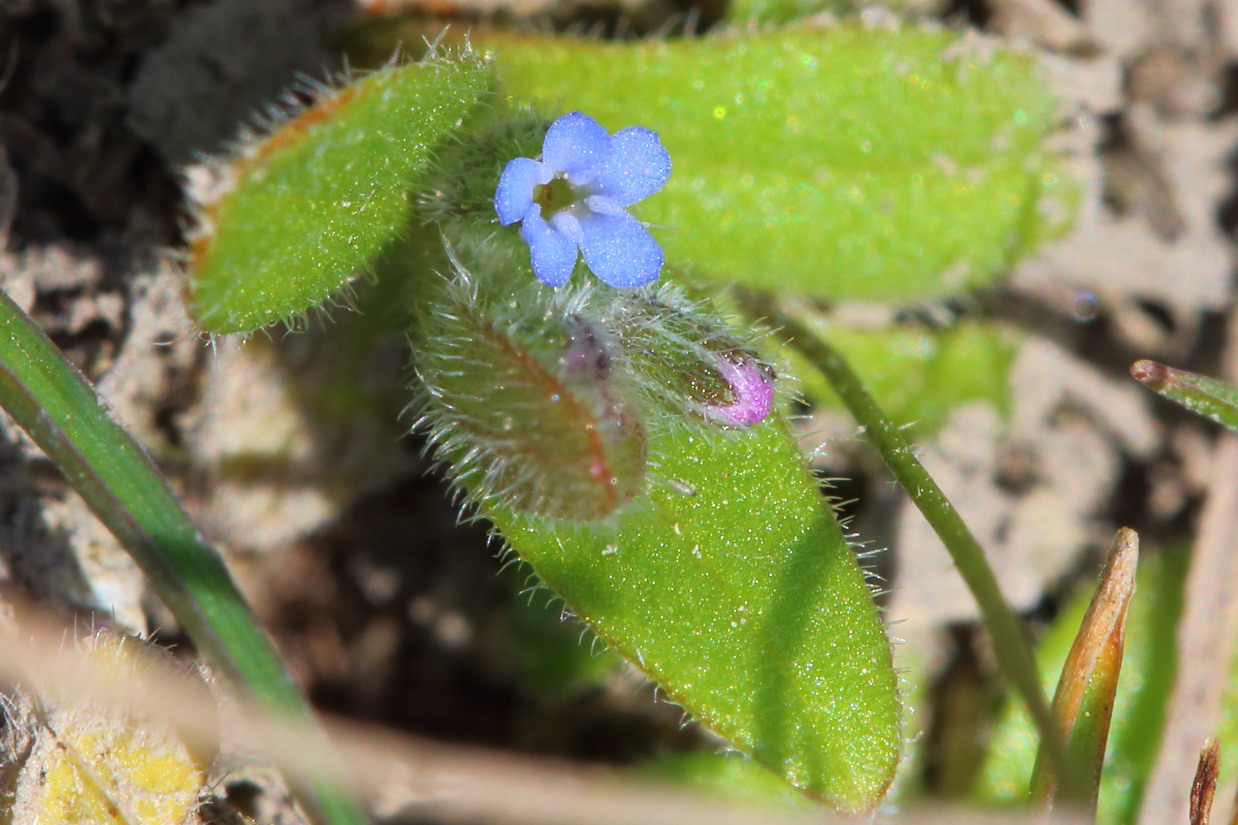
{"points": [[449, 783]]}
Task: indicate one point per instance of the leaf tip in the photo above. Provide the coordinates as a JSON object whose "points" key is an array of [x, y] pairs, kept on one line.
{"points": [[1151, 374], [1123, 558]]}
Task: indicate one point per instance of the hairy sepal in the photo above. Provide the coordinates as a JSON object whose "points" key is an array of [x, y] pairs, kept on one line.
{"points": [[296, 214], [523, 399], [677, 346], [459, 190], [541, 399]]}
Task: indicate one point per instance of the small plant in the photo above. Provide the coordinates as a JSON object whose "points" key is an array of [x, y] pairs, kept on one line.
{"points": [[622, 437], [585, 298]]}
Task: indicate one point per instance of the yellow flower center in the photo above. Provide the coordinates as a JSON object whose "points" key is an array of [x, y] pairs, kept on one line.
{"points": [[554, 196]]}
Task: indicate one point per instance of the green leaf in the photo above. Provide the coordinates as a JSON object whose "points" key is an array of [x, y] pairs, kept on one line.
{"points": [[1012, 651], [732, 586], [309, 207], [843, 162], [1199, 394], [582, 422]]}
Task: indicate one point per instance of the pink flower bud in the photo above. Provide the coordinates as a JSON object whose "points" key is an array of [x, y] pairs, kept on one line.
{"points": [[752, 387]]}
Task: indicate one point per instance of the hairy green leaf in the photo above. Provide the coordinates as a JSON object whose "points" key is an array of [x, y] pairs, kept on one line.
{"points": [[1014, 656], [307, 208], [732, 586], [585, 424]]}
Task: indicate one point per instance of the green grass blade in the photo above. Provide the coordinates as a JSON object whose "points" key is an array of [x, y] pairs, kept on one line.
{"points": [[1205, 396], [56, 406], [1014, 653], [1084, 700]]}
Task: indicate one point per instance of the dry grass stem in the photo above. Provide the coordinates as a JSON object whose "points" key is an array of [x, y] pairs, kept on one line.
{"points": [[450, 783]]}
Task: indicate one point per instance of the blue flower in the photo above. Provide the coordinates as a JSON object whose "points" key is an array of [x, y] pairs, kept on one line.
{"points": [[574, 196]]}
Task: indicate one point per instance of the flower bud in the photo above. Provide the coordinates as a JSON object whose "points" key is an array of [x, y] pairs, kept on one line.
{"points": [[752, 391], [688, 356]]}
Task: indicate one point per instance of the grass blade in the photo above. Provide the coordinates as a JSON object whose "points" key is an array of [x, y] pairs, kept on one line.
{"points": [[56, 406], [1205, 396], [1083, 701], [1014, 653]]}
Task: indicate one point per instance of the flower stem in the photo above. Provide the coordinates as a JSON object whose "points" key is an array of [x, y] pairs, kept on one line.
{"points": [[1014, 653], [57, 407]]}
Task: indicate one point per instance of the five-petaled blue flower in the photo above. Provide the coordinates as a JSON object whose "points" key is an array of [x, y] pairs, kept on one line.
{"points": [[575, 195]]}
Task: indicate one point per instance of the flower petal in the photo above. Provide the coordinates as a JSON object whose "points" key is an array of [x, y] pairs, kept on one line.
{"points": [[576, 145], [514, 197], [552, 253], [619, 249], [639, 165]]}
